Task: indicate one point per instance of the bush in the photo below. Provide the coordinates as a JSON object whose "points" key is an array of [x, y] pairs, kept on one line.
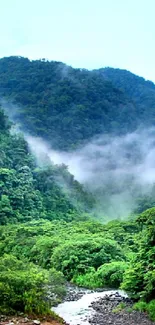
{"points": [[88, 280], [140, 306], [23, 287], [111, 274], [108, 275], [77, 256], [151, 310], [120, 307]]}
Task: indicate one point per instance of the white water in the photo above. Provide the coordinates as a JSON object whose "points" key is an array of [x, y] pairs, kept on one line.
{"points": [[78, 312]]}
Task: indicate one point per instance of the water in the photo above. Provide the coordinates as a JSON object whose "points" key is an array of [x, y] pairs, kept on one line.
{"points": [[78, 312]]}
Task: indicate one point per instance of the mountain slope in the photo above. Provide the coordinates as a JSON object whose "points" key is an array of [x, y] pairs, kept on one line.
{"points": [[140, 91], [35, 255], [28, 192], [66, 106]]}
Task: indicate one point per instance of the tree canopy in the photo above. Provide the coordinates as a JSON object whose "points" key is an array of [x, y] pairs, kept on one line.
{"points": [[47, 233]]}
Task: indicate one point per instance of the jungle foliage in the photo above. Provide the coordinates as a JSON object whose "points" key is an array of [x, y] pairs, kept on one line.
{"points": [[47, 234]]}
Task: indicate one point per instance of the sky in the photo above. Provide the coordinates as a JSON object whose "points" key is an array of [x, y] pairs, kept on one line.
{"points": [[82, 33]]}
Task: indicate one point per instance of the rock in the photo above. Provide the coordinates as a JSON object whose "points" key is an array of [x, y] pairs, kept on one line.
{"points": [[21, 314], [36, 322], [26, 320], [3, 318], [104, 312]]}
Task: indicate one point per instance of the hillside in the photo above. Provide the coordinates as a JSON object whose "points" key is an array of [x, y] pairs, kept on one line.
{"points": [[29, 192], [138, 90], [47, 235], [69, 106], [63, 105]]}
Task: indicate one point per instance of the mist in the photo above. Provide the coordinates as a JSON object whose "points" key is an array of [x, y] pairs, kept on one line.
{"points": [[119, 171]]}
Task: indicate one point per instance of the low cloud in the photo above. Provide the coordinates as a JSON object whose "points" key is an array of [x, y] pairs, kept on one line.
{"points": [[117, 170]]}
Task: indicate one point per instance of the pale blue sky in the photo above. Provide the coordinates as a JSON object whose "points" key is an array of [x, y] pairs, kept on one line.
{"points": [[82, 33]]}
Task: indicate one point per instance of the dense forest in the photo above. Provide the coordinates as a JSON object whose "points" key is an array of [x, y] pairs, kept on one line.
{"points": [[69, 106], [48, 234], [28, 191], [63, 105], [138, 90]]}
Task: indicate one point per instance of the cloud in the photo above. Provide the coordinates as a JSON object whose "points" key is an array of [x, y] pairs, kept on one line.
{"points": [[117, 170]]}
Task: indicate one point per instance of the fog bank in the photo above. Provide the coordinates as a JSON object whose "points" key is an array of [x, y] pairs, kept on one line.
{"points": [[118, 170]]}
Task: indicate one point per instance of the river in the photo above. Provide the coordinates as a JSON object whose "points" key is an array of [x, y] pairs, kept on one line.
{"points": [[78, 312]]}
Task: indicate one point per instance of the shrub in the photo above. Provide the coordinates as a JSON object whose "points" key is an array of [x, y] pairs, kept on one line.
{"points": [[140, 306], [120, 307], [23, 286], [88, 280], [111, 274], [151, 310]]}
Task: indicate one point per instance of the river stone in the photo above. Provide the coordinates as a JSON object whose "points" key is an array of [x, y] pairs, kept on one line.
{"points": [[36, 322], [26, 320], [105, 315]]}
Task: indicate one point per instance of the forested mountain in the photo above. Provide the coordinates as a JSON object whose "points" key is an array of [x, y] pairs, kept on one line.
{"points": [[66, 106], [138, 90], [29, 192], [47, 234], [69, 106]]}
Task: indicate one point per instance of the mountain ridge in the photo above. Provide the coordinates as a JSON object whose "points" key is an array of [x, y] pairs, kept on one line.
{"points": [[63, 105]]}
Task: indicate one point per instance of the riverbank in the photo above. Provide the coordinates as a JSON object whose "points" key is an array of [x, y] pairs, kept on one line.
{"points": [[18, 320], [114, 309], [110, 309], [87, 307]]}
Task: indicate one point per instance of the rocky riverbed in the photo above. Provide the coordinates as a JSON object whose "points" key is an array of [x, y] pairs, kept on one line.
{"points": [[21, 320], [86, 307], [108, 312]]}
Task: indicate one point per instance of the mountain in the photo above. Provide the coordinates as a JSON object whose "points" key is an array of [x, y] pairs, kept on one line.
{"points": [[28, 192], [63, 105], [140, 91], [46, 234], [69, 106]]}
